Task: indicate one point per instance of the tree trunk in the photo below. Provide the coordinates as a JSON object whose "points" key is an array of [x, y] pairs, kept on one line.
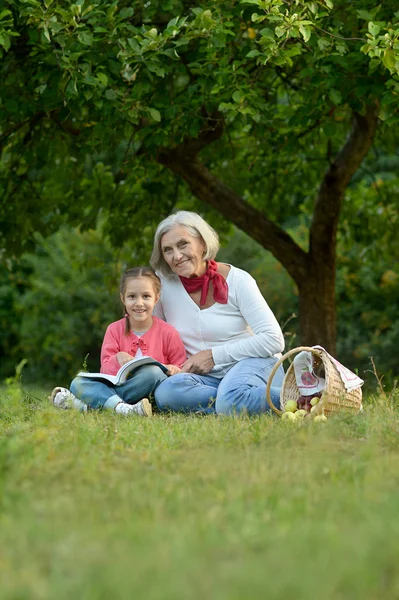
{"points": [[317, 312], [313, 271]]}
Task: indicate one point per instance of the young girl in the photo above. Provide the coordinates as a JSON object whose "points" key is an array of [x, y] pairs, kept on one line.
{"points": [[138, 334]]}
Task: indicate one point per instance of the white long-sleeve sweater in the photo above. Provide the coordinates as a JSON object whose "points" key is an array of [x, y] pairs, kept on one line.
{"points": [[244, 327]]}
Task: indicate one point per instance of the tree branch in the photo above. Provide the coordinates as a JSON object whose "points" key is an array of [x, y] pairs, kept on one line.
{"points": [[337, 177], [33, 120], [183, 161]]}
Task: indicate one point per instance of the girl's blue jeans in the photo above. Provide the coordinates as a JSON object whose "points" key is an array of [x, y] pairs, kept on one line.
{"points": [[242, 390], [96, 393]]}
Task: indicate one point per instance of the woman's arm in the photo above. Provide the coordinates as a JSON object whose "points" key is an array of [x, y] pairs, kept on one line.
{"points": [[268, 338], [200, 363]]}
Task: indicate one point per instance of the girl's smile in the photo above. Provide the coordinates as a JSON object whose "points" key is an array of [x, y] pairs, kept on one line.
{"points": [[139, 300]]}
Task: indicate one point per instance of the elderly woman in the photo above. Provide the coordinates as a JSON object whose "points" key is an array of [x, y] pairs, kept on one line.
{"points": [[230, 334]]}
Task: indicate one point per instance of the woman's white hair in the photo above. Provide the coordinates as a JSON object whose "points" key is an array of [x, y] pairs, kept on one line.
{"points": [[195, 225]]}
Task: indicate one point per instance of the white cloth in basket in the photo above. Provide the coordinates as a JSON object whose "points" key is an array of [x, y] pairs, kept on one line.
{"points": [[350, 380], [307, 381]]}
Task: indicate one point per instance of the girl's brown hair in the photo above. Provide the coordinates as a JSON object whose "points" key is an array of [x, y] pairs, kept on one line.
{"points": [[136, 273]]}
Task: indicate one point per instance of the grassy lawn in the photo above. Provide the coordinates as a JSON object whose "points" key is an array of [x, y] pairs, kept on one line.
{"points": [[100, 507]]}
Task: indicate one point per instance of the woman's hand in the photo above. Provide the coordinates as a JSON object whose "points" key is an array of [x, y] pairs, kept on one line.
{"points": [[200, 363], [172, 369], [123, 358]]}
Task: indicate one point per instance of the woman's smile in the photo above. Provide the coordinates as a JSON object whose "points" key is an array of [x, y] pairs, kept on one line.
{"points": [[183, 252]]}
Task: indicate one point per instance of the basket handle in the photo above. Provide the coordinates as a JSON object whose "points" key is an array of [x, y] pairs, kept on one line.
{"points": [[277, 365]]}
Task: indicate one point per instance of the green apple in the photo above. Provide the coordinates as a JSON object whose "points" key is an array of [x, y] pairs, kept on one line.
{"points": [[289, 416], [291, 406], [320, 418], [301, 414], [314, 400], [313, 409]]}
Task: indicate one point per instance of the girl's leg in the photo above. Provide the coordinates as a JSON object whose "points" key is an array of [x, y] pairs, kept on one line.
{"points": [[243, 388], [143, 383], [63, 398], [186, 392], [95, 393]]}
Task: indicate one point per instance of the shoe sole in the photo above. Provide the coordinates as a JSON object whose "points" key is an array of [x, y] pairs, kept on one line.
{"points": [[53, 395], [147, 408]]}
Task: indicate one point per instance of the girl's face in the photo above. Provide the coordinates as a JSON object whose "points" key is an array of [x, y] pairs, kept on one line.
{"points": [[183, 252], [139, 300]]}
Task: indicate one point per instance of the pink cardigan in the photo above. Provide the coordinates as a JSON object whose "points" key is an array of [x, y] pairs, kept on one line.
{"points": [[161, 341]]}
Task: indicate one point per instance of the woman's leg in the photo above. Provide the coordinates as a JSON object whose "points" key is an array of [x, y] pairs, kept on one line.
{"points": [[243, 388], [143, 383], [186, 392]]}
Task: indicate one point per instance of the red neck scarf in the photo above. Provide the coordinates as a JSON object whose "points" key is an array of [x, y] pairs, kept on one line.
{"points": [[220, 287]]}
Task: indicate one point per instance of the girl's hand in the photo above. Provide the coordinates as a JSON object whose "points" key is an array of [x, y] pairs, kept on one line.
{"points": [[200, 363], [123, 358], [172, 369]]}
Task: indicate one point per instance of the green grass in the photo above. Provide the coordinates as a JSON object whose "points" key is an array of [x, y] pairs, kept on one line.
{"points": [[102, 507]]}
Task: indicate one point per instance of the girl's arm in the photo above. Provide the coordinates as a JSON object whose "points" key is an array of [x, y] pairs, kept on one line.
{"points": [[172, 369], [176, 353], [110, 351]]}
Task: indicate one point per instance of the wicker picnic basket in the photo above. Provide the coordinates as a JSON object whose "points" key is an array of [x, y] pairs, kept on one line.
{"points": [[335, 397]]}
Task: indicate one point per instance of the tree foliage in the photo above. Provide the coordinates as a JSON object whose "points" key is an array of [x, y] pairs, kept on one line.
{"points": [[265, 108], [64, 307]]}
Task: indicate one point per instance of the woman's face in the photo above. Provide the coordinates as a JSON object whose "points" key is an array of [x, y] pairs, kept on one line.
{"points": [[183, 252]]}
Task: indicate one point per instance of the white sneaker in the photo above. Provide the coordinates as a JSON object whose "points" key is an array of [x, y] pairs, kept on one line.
{"points": [[142, 408], [62, 398]]}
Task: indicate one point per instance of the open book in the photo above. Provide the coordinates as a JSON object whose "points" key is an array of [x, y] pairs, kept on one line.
{"points": [[126, 370]]}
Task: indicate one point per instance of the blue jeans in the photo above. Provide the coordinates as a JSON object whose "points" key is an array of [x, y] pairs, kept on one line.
{"points": [[98, 393], [242, 390]]}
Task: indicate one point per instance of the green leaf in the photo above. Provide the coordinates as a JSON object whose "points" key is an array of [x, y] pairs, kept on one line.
{"points": [[173, 22], [238, 96], [305, 31], [134, 45], [155, 114], [389, 59], [111, 95], [335, 96], [155, 68], [4, 13], [267, 33], [71, 89], [126, 12], [253, 53], [5, 41], [373, 29], [102, 78], [364, 14], [85, 37], [323, 43], [329, 4]]}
